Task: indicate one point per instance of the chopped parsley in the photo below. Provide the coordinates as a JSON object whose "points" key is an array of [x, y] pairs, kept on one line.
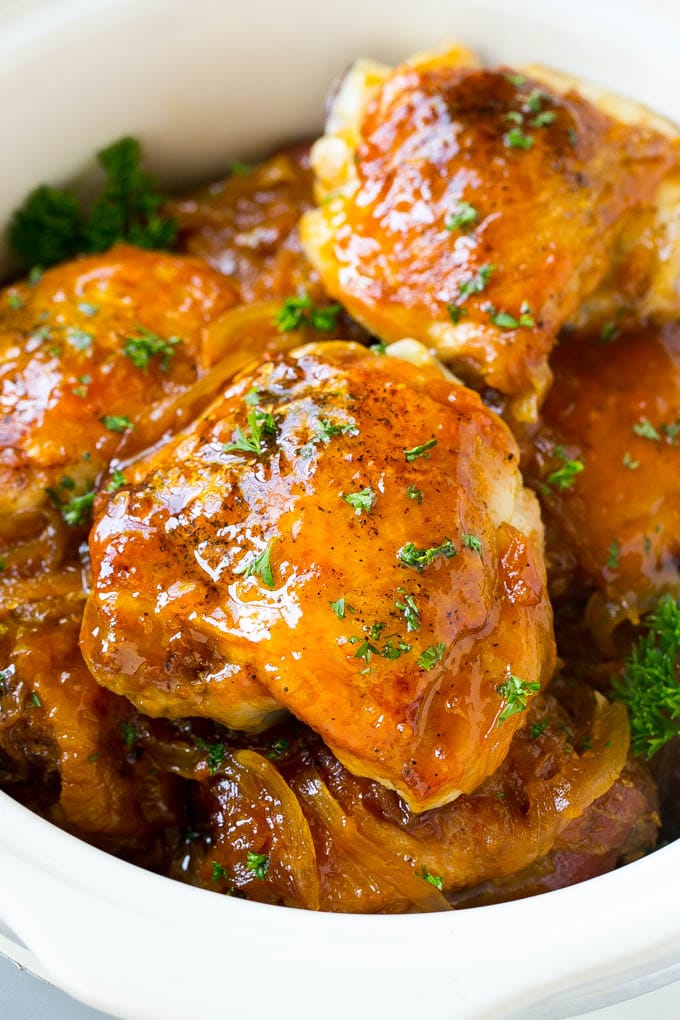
{"points": [[94, 757], [411, 556], [300, 312], [537, 729], [328, 430], [129, 734], [237, 168], [53, 226], [515, 692], [434, 880], [543, 118], [360, 501], [15, 301], [277, 748], [378, 348], [395, 647], [340, 608], [613, 555], [671, 432], [262, 426], [628, 462], [77, 510], [432, 656], [410, 610], [116, 482], [35, 700], [649, 684], [420, 451], [214, 754], [258, 864], [413, 493], [516, 139], [218, 872], [506, 321], [260, 567], [477, 283], [140, 349], [515, 79], [564, 477], [472, 542], [456, 313], [465, 215], [365, 650], [117, 423], [646, 430]]}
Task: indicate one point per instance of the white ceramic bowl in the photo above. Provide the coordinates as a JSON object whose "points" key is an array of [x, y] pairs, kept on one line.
{"points": [[201, 82]]}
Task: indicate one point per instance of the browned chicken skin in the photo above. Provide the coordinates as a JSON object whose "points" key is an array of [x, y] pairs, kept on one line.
{"points": [[474, 210], [615, 525], [228, 583], [75, 367]]}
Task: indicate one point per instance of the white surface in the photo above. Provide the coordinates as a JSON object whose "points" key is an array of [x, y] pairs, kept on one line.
{"points": [[201, 82]]}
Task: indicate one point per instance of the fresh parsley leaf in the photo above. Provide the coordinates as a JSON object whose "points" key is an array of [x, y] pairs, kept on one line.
{"points": [[420, 451], [117, 423], [300, 312], [214, 754], [608, 332], [395, 647], [413, 493], [515, 692], [365, 650], [239, 169], [15, 301], [77, 510], [35, 701], [472, 542], [516, 139], [464, 215], [649, 685], [516, 79], [129, 734], [411, 556], [278, 747], [360, 501], [613, 555], [128, 208], [218, 872], [628, 462], [477, 283], [52, 226], [259, 566], [262, 425], [116, 482], [258, 864], [645, 429], [456, 312], [140, 349], [410, 610], [340, 608], [564, 477], [543, 118], [431, 656], [434, 880], [671, 431], [538, 729]]}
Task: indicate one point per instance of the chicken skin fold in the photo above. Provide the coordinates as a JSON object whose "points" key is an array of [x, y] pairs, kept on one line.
{"points": [[344, 535], [474, 210]]}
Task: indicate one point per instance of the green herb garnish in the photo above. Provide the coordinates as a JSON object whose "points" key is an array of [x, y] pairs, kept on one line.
{"points": [[472, 542], [613, 555], [129, 734], [516, 139], [420, 451], [564, 477], [360, 501], [477, 283], [410, 610], [413, 493], [515, 693], [53, 226], [411, 556], [258, 864], [465, 215], [649, 684], [645, 429], [260, 567], [434, 880], [117, 423], [300, 312], [431, 656], [140, 349]]}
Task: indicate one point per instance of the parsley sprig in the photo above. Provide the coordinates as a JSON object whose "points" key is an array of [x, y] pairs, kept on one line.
{"points": [[411, 556], [300, 312], [649, 686], [53, 225], [515, 692], [146, 345]]}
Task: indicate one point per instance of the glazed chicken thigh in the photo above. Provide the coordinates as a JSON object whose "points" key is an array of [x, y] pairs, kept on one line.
{"points": [[474, 210], [343, 535], [93, 356]]}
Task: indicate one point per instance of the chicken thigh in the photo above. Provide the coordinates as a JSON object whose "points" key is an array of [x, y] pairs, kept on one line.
{"points": [[346, 535], [475, 209]]}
